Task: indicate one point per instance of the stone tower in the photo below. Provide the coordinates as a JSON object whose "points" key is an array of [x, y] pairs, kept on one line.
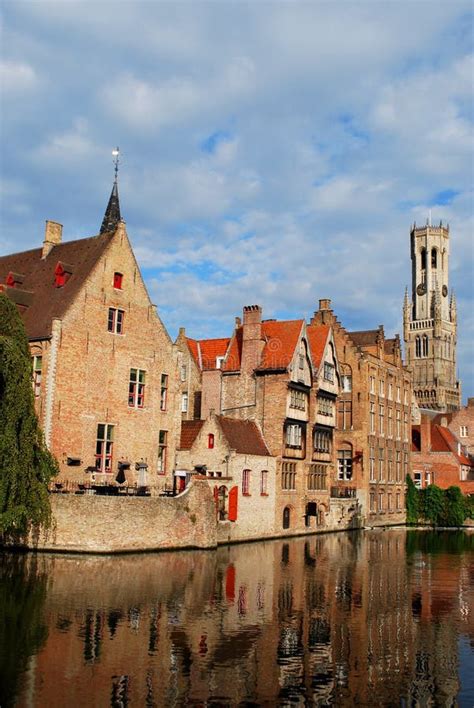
{"points": [[429, 321]]}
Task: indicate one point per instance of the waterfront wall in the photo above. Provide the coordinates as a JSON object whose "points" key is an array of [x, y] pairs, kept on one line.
{"points": [[100, 524]]}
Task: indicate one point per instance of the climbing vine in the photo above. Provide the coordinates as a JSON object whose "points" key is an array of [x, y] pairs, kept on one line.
{"points": [[26, 466], [438, 507]]}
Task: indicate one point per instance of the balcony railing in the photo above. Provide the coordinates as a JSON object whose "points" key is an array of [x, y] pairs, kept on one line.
{"points": [[343, 492]]}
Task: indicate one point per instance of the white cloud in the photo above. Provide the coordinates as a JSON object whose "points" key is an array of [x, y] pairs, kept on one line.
{"points": [[16, 77]]}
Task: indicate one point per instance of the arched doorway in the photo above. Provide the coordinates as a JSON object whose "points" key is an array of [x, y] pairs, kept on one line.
{"points": [[286, 517], [222, 503]]}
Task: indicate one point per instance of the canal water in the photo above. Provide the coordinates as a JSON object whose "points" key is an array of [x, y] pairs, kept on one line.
{"points": [[371, 618]]}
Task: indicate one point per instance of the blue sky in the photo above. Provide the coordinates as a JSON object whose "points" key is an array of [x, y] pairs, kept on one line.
{"points": [[272, 153]]}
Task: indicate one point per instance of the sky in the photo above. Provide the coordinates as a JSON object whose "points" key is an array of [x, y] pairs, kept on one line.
{"points": [[272, 153]]}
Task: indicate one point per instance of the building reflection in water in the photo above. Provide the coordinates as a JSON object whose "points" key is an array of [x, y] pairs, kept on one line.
{"points": [[373, 618]]}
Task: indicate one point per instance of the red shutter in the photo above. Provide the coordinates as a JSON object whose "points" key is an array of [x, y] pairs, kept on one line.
{"points": [[233, 496]]}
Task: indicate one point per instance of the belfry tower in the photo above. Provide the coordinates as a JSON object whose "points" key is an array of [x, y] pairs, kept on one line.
{"points": [[429, 321]]}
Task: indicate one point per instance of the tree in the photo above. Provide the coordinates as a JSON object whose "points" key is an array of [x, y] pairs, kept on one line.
{"points": [[26, 466], [455, 507], [433, 506]]}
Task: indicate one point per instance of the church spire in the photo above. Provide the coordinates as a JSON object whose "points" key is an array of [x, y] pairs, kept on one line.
{"points": [[112, 215]]}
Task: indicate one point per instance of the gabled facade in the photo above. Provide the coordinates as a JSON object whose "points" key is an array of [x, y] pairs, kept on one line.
{"points": [[373, 420], [104, 367], [439, 458], [232, 455]]}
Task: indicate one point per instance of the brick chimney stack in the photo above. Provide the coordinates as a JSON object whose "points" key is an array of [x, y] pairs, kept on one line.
{"points": [[324, 315], [425, 433], [252, 342], [53, 235]]}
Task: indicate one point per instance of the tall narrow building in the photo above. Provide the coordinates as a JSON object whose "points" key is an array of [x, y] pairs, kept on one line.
{"points": [[429, 321]]}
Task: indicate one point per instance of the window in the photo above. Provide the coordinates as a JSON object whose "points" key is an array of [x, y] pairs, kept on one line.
{"points": [[325, 405], [297, 399], [344, 414], [183, 372], [434, 258], [381, 388], [162, 450], [463, 430], [61, 275], [423, 259], [417, 479], [372, 464], [372, 417], [405, 463], [390, 465], [381, 501], [399, 425], [425, 345], [381, 420], [37, 370], [344, 464], [405, 398], [417, 347], [210, 441], [347, 383], [219, 361], [286, 517], [293, 436], [389, 501], [372, 384], [288, 475], [104, 447], [405, 427], [164, 392], [390, 422], [317, 477], [118, 278], [115, 320], [398, 465], [322, 440], [381, 461], [372, 503], [398, 501], [264, 483], [246, 482], [136, 388], [390, 390], [398, 394], [184, 403], [328, 371]]}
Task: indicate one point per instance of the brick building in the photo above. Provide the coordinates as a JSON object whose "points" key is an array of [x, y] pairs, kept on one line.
{"points": [[373, 419], [439, 458], [235, 460], [104, 367], [461, 425], [197, 358]]}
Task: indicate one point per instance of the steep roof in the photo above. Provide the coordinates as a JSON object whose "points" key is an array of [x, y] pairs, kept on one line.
{"points": [[42, 299], [367, 337], [317, 337], [190, 429], [206, 351], [280, 340], [442, 440], [243, 436]]}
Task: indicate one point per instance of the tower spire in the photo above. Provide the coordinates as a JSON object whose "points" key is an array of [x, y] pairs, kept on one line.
{"points": [[112, 215]]}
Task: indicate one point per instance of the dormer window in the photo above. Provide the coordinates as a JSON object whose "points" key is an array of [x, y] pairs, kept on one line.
{"points": [[118, 279], [13, 279], [62, 273]]}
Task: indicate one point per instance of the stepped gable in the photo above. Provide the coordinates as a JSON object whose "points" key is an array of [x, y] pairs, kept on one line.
{"points": [[39, 299], [206, 351], [317, 337], [243, 436], [280, 340], [190, 429]]}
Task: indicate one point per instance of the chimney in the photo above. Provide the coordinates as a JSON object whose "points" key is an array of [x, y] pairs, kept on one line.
{"points": [[53, 235], [324, 315], [324, 304], [470, 402], [252, 342], [425, 433]]}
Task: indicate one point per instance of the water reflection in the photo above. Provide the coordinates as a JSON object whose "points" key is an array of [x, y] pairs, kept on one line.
{"points": [[371, 619]]}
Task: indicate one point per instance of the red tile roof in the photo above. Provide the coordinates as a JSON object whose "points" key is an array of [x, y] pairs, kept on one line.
{"points": [[318, 336], [442, 440], [190, 429], [280, 340], [43, 301], [206, 351], [243, 436]]}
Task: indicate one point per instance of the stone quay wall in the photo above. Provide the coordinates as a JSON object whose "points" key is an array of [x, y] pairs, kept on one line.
{"points": [[100, 524]]}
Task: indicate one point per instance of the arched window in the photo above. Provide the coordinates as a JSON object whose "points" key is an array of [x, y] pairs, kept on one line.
{"points": [[286, 517], [417, 347], [210, 441], [425, 345], [222, 503], [423, 259], [434, 258]]}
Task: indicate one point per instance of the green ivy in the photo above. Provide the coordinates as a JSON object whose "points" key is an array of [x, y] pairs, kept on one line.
{"points": [[439, 507], [26, 466]]}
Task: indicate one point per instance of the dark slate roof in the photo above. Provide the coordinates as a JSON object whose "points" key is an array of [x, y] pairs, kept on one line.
{"points": [[243, 436], [112, 213], [39, 300], [364, 337], [190, 429]]}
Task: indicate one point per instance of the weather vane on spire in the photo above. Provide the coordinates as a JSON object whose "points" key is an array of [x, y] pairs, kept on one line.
{"points": [[116, 156]]}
